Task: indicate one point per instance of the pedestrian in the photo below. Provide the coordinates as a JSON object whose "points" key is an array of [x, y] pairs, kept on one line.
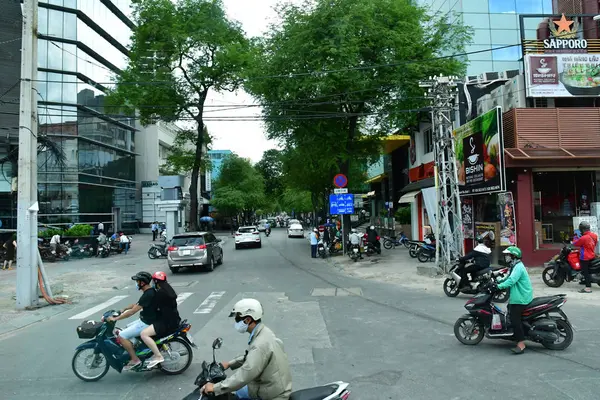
{"points": [[100, 227], [154, 228], [314, 241], [124, 239], [326, 235], [587, 243], [54, 243], [11, 247]]}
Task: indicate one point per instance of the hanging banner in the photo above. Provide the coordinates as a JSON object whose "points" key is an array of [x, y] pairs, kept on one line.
{"points": [[508, 230], [467, 217], [430, 201]]}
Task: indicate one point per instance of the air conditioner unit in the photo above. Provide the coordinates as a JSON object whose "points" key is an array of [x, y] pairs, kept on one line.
{"points": [[487, 77], [472, 79], [498, 97], [515, 93], [484, 104], [509, 74]]}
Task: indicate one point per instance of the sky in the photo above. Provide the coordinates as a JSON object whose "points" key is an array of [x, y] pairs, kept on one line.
{"points": [[247, 139]]}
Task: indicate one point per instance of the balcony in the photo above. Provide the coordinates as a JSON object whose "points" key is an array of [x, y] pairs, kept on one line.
{"points": [[535, 136]]}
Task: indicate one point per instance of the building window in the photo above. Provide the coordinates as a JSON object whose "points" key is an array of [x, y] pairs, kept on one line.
{"points": [[428, 141]]}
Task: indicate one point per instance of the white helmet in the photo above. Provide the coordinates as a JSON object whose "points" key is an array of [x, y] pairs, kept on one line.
{"points": [[248, 308], [354, 230], [372, 227]]}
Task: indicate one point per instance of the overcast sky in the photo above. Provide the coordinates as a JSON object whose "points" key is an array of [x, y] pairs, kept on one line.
{"points": [[247, 139]]}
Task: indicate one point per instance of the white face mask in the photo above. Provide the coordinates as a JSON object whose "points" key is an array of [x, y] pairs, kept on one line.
{"points": [[241, 326]]}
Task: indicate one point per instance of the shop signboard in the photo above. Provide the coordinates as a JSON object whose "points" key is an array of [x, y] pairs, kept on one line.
{"points": [[508, 230], [467, 217], [479, 147]]}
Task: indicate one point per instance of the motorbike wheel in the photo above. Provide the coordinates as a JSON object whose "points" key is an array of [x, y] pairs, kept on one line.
{"points": [[422, 257], [468, 338], [501, 296], [388, 244], [406, 244], [175, 356], [152, 253], [565, 332], [451, 288], [81, 353], [552, 282]]}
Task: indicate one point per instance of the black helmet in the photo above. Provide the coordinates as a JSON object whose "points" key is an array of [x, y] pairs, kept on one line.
{"points": [[142, 277], [584, 226]]}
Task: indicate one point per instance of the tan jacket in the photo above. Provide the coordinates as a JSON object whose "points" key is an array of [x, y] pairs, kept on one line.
{"points": [[264, 368]]}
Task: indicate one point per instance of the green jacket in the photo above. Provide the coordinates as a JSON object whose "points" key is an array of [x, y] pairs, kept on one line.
{"points": [[518, 281]]}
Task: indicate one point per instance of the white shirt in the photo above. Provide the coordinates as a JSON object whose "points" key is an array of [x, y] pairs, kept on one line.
{"points": [[55, 239], [100, 226], [355, 238], [124, 239]]}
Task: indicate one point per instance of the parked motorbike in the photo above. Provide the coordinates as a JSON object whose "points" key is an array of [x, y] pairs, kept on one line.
{"points": [[335, 246], [215, 373], [354, 252], [80, 251], [565, 266], [426, 253], [158, 250], [390, 242], [371, 248], [104, 250], [479, 279], [104, 350], [543, 321], [415, 245], [321, 249]]}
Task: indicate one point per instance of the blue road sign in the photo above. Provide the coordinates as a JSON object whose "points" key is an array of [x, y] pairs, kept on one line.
{"points": [[340, 204]]}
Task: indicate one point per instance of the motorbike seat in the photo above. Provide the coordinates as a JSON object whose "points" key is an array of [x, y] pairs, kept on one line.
{"points": [[595, 262], [482, 271], [539, 301], [316, 393]]}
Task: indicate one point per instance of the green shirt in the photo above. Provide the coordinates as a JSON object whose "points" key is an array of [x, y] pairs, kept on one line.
{"points": [[518, 281]]}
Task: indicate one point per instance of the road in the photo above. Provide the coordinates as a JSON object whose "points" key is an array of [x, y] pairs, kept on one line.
{"points": [[388, 342]]}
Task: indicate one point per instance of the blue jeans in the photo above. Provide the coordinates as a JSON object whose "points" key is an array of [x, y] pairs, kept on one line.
{"points": [[313, 250], [243, 394], [126, 246]]}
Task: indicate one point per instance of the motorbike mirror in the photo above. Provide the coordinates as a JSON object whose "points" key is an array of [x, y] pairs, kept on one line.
{"points": [[217, 343]]}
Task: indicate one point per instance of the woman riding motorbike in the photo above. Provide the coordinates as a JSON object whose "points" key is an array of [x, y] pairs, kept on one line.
{"points": [[168, 316], [521, 294]]}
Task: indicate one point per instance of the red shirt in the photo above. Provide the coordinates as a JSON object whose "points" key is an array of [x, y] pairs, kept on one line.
{"points": [[587, 242]]}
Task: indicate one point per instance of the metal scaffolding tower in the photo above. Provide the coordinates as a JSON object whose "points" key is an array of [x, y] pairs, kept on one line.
{"points": [[443, 93]]}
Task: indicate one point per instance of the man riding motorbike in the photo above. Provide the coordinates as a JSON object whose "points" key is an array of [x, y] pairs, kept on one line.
{"points": [[264, 371], [148, 315], [168, 317], [355, 240], [372, 238], [267, 228], [481, 256], [587, 242]]}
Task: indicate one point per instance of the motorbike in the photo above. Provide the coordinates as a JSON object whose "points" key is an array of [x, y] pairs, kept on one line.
{"points": [[335, 246], [426, 252], [104, 350], [371, 248], [321, 249], [104, 250], [158, 250], [267, 232], [543, 321], [415, 245], [390, 242], [479, 279], [354, 252], [79, 251], [565, 266], [215, 373]]}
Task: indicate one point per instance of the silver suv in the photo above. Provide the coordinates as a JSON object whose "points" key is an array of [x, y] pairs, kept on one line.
{"points": [[194, 249]]}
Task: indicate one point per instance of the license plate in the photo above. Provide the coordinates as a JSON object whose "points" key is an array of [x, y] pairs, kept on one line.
{"points": [[186, 252], [355, 250], [190, 338]]}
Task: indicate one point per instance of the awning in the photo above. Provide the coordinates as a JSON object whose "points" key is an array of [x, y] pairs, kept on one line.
{"points": [[418, 185], [393, 142], [408, 197], [551, 153], [377, 178]]}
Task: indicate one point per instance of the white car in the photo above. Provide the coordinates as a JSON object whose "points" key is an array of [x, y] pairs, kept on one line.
{"points": [[295, 230], [247, 236], [261, 225]]}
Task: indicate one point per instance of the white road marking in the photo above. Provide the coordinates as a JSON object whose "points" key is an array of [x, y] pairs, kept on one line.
{"points": [[99, 307], [182, 296], [209, 303]]}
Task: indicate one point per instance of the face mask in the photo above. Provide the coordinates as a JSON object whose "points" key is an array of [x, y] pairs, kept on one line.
{"points": [[241, 327], [137, 286], [508, 259]]}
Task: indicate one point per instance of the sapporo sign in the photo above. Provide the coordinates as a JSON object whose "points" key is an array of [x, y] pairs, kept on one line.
{"points": [[479, 147], [565, 69]]}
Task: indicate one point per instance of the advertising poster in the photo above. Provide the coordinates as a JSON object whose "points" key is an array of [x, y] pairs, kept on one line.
{"points": [[479, 148], [482, 227], [467, 217], [563, 75], [508, 229]]}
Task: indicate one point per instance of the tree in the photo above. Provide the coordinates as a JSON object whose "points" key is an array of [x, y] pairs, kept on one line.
{"points": [[182, 155], [271, 169], [180, 51], [239, 189], [298, 201]]}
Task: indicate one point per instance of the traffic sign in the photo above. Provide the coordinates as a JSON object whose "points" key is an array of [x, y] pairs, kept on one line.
{"points": [[340, 180], [340, 204], [340, 190]]}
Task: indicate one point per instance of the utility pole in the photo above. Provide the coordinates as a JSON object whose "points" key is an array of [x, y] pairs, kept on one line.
{"points": [[27, 206], [443, 91]]}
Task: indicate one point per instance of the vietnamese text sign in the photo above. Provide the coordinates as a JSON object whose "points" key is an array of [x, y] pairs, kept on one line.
{"points": [[479, 147], [562, 75], [340, 204]]}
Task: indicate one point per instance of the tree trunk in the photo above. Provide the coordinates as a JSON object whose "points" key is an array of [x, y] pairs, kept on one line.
{"points": [[194, 215], [345, 169]]}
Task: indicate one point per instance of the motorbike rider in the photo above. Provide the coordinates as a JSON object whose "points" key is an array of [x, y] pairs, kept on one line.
{"points": [[372, 237], [587, 242], [148, 315], [481, 256], [521, 294], [355, 240], [168, 319], [267, 228], [263, 372]]}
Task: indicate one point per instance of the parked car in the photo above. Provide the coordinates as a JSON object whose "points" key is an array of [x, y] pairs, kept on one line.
{"points": [[247, 236], [194, 249], [295, 230], [261, 225]]}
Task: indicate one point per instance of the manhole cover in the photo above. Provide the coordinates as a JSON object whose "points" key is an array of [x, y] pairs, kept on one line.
{"points": [[184, 284]]}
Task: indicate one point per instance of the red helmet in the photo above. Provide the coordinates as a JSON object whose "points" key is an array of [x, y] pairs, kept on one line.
{"points": [[159, 276]]}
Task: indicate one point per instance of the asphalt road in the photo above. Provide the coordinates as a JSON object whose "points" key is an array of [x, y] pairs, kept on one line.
{"points": [[388, 342]]}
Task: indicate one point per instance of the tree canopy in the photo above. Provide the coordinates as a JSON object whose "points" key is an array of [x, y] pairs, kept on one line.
{"points": [[180, 50], [271, 169]]}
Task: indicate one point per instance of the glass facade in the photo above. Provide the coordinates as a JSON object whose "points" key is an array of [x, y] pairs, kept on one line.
{"points": [[98, 173], [495, 24]]}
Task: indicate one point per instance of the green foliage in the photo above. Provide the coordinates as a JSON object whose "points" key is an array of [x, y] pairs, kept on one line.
{"points": [[180, 50], [182, 155], [79, 230], [271, 169], [240, 187], [48, 233], [299, 201], [403, 215]]}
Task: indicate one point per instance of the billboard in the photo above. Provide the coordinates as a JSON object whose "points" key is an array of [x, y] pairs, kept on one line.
{"points": [[479, 147], [562, 75]]}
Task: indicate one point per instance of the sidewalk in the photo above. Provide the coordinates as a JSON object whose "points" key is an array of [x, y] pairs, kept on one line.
{"points": [[397, 267]]}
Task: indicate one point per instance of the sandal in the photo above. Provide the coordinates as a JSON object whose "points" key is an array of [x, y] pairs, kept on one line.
{"points": [[517, 350], [585, 290], [154, 361], [131, 365]]}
